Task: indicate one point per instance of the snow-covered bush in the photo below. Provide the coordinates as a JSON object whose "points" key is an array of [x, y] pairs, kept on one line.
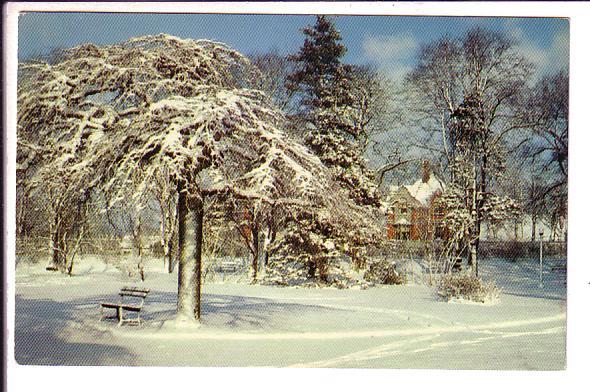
{"points": [[466, 287], [130, 266], [383, 272], [293, 272]]}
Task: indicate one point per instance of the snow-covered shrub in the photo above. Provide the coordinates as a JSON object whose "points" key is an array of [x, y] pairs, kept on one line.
{"points": [[466, 287], [285, 273], [293, 272], [383, 272], [156, 249]]}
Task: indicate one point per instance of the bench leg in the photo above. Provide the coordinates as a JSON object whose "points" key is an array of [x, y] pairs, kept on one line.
{"points": [[120, 315]]}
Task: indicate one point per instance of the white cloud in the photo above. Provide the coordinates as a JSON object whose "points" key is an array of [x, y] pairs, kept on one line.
{"points": [[393, 54], [396, 72], [546, 58], [385, 48]]}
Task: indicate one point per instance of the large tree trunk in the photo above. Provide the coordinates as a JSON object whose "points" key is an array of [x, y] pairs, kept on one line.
{"points": [[185, 309]]}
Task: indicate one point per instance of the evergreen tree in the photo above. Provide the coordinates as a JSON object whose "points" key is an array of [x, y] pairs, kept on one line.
{"points": [[321, 85]]}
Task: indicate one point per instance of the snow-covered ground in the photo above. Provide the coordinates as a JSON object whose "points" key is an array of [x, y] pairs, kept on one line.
{"points": [[57, 323]]}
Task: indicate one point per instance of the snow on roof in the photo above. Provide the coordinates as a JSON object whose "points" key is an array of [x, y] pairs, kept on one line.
{"points": [[423, 191], [402, 222]]}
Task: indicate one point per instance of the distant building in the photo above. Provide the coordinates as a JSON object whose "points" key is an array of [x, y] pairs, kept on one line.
{"points": [[412, 211]]}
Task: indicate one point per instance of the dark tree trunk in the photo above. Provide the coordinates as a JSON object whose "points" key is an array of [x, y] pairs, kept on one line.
{"points": [[312, 267], [55, 250], [268, 242], [137, 236], [170, 257], [255, 247]]}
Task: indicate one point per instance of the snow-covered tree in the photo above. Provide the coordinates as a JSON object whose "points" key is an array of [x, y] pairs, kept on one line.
{"points": [[466, 89], [119, 116], [64, 187], [322, 86]]}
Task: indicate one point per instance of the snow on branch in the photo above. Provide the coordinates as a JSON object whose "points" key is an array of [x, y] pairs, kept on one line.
{"points": [[114, 116]]}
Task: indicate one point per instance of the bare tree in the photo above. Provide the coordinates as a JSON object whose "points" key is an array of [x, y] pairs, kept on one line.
{"points": [[466, 89], [274, 70], [373, 112], [548, 109]]}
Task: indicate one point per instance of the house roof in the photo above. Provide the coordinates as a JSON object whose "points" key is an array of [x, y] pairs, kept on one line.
{"points": [[419, 190], [423, 191], [402, 222]]}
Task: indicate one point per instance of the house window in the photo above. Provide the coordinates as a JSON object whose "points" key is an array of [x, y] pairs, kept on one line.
{"points": [[403, 208]]}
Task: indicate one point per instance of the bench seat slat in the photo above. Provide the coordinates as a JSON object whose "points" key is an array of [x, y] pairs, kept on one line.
{"points": [[137, 295], [109, 305], [139, 289], [133, 308]]}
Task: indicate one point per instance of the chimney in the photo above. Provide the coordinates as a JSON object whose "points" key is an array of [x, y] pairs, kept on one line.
{"points": [[425, 171]]}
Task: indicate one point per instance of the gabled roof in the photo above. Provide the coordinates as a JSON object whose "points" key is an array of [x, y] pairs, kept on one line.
{"points": [[421, 191], [402, 222]]}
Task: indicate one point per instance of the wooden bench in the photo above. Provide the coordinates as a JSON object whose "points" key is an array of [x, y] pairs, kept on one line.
{"points": [[133, 292]]}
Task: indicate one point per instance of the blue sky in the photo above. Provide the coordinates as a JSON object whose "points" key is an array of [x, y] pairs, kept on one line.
{"points": [[390, 42]]}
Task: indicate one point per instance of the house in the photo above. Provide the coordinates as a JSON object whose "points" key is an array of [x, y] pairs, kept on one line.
{"points": [[412, 211]]}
